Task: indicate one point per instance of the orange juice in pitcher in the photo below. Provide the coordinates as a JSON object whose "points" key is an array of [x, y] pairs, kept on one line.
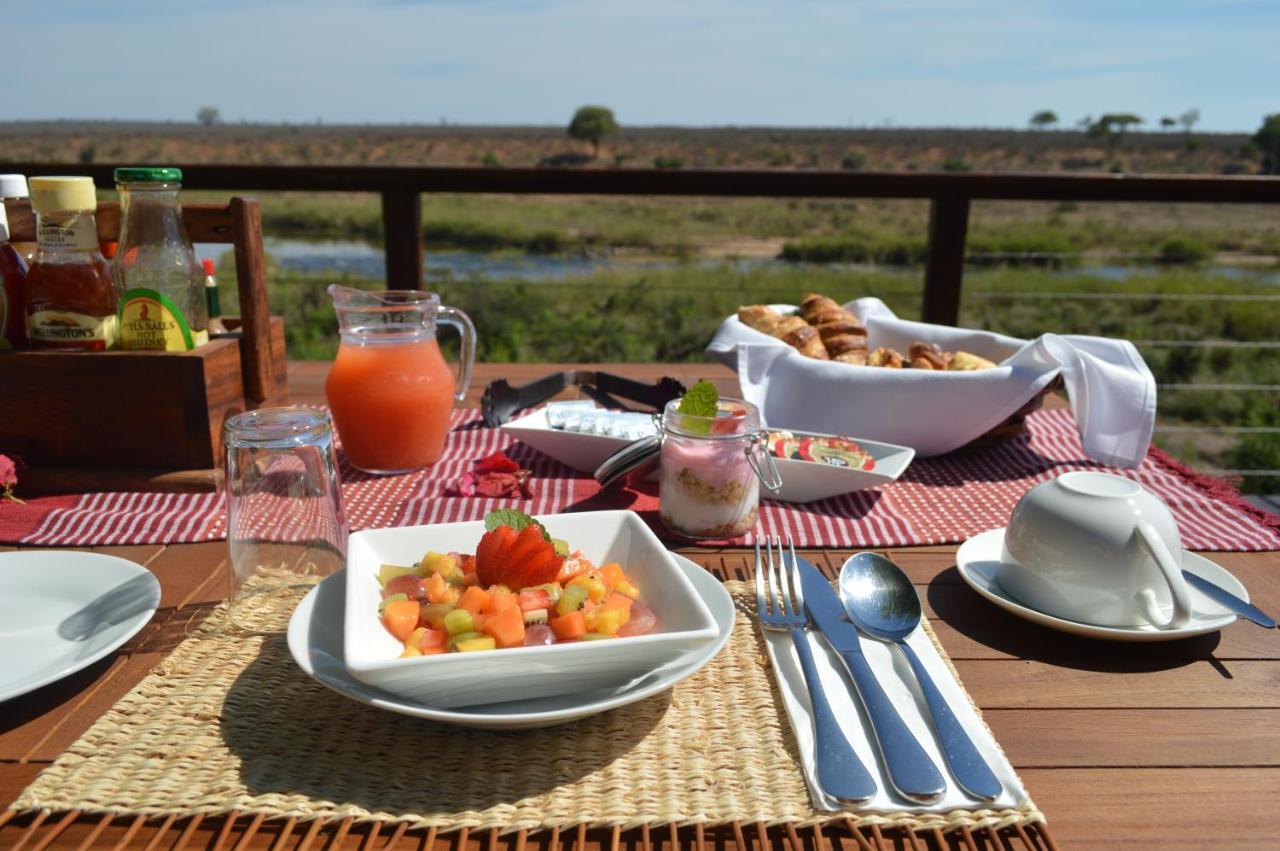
{"points": [[390, 390]]}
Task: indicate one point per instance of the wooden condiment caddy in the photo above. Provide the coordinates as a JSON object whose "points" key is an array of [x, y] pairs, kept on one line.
{"points": [[148, 421]]}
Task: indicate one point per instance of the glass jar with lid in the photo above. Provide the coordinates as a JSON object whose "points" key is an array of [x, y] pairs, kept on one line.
{"points": [[710, 469], [164, 306]]}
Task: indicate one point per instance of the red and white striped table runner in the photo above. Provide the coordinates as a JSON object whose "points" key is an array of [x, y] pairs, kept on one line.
{"points": [[938, 500]]}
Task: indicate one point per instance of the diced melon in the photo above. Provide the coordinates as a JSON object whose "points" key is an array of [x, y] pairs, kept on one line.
{"points": [[382, 607], [390, 571], [474, 599], [611, 573], [473, 641], [440, 591], [432, 614], [459, 621], [506, 627], [625, 586], [595, 636], [444, 564], [400, 618], [571, 625]]}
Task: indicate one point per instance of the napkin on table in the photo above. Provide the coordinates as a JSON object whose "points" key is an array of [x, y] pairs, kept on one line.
{"points": [[1111, 390], [895, 677]]}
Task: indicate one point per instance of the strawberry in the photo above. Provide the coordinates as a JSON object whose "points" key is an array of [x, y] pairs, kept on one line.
{"points": [[516, 560], [490, 560]]}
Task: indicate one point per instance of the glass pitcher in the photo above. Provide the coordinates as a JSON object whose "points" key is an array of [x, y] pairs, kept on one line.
{"points": [[390, 390]]}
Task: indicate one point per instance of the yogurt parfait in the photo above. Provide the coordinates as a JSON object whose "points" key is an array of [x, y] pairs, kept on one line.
{"points": [[708, 486]]}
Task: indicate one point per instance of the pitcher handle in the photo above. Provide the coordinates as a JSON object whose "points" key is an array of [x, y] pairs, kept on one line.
{"points": [[1172, 572], [467, 352]]}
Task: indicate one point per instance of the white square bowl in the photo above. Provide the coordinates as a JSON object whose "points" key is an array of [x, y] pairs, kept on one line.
{"points": [[464, 679]]}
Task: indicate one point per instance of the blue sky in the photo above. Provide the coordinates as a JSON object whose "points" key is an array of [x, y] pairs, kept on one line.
{"points": [[688, 62]]}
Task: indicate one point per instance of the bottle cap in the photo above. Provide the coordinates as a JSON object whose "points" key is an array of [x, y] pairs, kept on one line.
{"points": [[208, 266], [53, 194], [13, 186], [148, 174]]}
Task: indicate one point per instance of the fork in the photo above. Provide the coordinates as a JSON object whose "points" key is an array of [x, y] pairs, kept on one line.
{"points": [[841, 775]]}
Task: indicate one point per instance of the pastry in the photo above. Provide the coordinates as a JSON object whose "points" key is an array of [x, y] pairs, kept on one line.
{"points": [[840, 327], [856, 357], [885, 357], [967, 362], [928, 356], [801, 335], [760, 317], [842, 343]]}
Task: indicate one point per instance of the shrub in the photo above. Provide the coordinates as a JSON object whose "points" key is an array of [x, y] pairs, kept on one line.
{"points": [[853, 162], [490, 160], [1184, 250], [955, 165], [1235, 168], [664, 161]]}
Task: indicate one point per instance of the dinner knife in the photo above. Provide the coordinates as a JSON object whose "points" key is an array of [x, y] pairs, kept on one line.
{"points": [[1225, 598], [910, 770]]}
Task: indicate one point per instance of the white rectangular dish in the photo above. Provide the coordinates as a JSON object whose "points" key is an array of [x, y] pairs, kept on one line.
{"points": [[448, 680], [802, 481]]}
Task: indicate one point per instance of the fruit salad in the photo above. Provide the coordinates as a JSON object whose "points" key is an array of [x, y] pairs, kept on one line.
{"points": [[521, 588]]}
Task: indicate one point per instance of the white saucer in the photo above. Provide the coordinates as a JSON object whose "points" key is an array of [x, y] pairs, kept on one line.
{"points": [[978, 561], [316, 642], [62, 611]]}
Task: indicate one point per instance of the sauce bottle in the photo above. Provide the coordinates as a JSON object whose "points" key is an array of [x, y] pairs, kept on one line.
{"points": [[15, 186], [71, 299], [13, 276], [216, 325], [163, 306]]}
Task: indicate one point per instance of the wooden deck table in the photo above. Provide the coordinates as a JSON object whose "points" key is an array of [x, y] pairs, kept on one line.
{"points": [[1167, 745]]}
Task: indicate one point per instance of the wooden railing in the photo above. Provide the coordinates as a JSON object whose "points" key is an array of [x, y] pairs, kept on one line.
{"points": [[949, 195]]}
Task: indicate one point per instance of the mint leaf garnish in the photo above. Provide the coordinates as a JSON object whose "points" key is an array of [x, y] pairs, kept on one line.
{"points": [[514, 518], [700, 400]]}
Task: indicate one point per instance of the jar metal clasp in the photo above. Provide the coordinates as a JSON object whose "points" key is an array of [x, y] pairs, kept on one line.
{"points": [[768, 471]]}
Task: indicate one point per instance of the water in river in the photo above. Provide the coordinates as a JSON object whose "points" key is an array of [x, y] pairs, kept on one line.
{"points": [[366, 260]]}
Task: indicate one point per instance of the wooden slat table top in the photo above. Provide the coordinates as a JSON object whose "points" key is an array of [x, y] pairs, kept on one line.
{"points": [[1162, 745]]}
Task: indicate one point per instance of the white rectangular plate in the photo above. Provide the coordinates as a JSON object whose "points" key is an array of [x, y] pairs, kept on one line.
{"points": [[802, 481]]}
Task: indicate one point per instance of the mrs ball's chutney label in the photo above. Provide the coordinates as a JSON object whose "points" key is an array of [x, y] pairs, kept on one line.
{"points": [[150, 321]]}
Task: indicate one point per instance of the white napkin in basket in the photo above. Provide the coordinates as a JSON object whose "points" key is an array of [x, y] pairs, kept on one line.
{"points": [[1110, 387], [894, 675]]}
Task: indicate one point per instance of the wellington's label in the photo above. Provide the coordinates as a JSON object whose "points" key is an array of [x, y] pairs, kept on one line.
{"points": [[151, 321], [74, 232], [63, 329]]}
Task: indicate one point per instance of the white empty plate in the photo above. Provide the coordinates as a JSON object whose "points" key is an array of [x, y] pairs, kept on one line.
{"points": [[316, 642], [978, 561], [62, 611]]}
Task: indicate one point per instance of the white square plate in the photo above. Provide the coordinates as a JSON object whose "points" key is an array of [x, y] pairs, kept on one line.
{"points": [[802, 481], [447, 680]]}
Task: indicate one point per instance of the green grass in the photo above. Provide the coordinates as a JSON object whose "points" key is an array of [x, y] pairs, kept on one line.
{"points": [[670, 314]]}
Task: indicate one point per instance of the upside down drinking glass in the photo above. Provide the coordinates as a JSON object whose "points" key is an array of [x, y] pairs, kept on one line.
{"points": [[285, 523]]}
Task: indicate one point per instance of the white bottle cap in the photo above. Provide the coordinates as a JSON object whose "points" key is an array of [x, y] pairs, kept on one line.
{"points": [[13, 186]]}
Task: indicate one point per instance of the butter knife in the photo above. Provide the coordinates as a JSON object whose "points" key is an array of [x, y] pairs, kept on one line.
{"points": [[910, 770], [1225, 598]]}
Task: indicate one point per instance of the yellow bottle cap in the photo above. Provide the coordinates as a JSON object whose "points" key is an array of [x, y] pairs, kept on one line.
{"points": [[54, 194]]}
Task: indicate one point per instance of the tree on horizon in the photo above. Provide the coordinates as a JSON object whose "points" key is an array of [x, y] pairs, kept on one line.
{"points": [[1044, 119], [591, 124]]}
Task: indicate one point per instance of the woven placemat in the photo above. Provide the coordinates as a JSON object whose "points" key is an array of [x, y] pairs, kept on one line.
{"points": [[229, 724]]}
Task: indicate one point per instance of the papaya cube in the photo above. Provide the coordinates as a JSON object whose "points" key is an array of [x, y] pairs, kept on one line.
{"points": [[611, 573], [506, 627], [401, 618], [474, 599]]}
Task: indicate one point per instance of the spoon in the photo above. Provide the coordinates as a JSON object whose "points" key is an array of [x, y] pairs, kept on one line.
{"points": [[881, 601]]}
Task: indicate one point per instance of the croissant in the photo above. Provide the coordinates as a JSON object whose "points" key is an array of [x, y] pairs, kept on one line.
{"points": [[857, 357], [885, 357], [840, 327], [842, 343], [760, 317], [928, 356], [799, 334], [967, 362], [819, 310]]}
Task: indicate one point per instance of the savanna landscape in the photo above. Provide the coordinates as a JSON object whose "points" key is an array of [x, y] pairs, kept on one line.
{"points": [[1189, 283]]}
